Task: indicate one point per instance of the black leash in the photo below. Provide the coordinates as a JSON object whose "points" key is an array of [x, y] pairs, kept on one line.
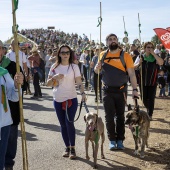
{"points": [[81, 104], [87, 110]]}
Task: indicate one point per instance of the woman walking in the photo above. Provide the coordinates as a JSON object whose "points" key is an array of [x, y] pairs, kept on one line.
{"points": [[150, 63], [62, 77]]}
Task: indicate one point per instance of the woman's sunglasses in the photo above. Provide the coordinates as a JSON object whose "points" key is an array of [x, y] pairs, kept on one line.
{"points": [[65, 53]]}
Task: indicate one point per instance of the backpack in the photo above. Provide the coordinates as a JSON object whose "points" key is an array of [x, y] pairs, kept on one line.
{"points": [[109, 58], [42, 64]]}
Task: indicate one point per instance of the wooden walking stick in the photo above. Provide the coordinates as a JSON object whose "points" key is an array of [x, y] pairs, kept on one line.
{"points": [[125, 39], [23, 135], [99, 24], [140, 57]]}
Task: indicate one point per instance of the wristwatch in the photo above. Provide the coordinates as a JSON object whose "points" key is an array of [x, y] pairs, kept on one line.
{"points": [[135, 90]]}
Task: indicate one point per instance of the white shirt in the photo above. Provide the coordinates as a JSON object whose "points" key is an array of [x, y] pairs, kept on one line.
{"points": [[22, 58], [66, 88], [47, 62], [157, 51], [11, 94]]}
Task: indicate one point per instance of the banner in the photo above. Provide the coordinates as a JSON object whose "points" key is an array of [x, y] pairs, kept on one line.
{"points": [[168, 28], [164, 36]]}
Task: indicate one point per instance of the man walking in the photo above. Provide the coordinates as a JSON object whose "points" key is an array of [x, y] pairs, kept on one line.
{"points": [[114, 65]]}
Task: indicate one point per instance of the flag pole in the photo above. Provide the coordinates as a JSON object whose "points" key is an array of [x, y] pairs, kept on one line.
{"points": [[23, 135], [140, 57]]}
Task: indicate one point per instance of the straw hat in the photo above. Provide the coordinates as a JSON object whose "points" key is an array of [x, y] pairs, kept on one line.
{"points": [[34, 49]]}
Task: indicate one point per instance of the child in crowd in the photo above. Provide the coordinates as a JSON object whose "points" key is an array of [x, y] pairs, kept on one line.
{"points": [[161, 83]]}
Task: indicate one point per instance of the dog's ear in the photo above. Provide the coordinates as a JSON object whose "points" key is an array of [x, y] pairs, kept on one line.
{"points": [[129, 107], [95, 114], [137, 109], [85, 118]]}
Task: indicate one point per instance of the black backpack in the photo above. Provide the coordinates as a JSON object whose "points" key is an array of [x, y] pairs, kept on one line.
{"points": [[42, 64], [109, 58]]}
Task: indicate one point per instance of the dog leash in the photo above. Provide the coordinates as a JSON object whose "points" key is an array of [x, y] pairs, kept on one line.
{"points": [[87, 110], [78, 114], [81, 104]]}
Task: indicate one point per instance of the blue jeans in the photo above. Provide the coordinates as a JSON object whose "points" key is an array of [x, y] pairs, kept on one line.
{"points": [[3, 144], [169, 87], [47, 69], [67, 128], [162, 91], [11, 147]]}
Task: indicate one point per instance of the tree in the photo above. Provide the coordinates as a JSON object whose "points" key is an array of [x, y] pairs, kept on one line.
{"points": [[155, 40]]}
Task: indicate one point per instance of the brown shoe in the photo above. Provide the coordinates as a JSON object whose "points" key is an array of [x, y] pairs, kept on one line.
{"points": [[72, 153], [66, 152]]}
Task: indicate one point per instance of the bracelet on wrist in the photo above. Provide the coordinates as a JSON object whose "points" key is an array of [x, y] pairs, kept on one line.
{"points": [[135, 89]]}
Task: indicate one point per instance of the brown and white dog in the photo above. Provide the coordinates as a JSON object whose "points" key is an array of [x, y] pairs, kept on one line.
{"points": [[94, 130], [139, 123]]}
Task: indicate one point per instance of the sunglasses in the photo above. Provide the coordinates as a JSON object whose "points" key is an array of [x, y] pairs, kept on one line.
{"points": [[65, 53], [23, 49], [149, 47]]}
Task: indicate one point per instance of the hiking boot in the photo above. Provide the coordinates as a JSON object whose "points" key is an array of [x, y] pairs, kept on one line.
{"points": [[66, 152], [120, 145], [112, 145], [72, 153]]}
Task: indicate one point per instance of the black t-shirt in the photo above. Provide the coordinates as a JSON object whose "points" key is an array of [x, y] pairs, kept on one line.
{"points": [[136, 53]]}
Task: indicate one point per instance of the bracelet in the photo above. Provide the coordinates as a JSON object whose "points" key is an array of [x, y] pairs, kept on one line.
{"points": [[135, 90], [83, 93]]}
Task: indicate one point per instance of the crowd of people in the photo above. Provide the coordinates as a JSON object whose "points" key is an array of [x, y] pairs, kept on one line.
{"points": [[60, 59]]}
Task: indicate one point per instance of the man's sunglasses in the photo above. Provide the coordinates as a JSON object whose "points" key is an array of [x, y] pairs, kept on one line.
{"points": [[65, 52]]}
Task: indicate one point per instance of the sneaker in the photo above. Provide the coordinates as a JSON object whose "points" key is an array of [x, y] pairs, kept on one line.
{"points": [[112, 145], [101, 101], [40, 96], [34, 97], [66, 152], [150, 118], [72, 153], [120, 145]]}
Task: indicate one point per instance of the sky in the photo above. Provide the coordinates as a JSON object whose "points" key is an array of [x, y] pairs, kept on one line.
{"points": [[81, 16]]}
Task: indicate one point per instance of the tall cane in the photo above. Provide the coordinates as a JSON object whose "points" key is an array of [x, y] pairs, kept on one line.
{"points": [[125, 39], [100, 24], [23, 135], [140, 57]]}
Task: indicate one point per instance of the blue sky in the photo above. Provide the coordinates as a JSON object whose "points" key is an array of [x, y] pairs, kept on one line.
{"points": [[81, 16]]}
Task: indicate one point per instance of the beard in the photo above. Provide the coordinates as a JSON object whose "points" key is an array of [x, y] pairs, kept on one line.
{"points": [[113, 46]]}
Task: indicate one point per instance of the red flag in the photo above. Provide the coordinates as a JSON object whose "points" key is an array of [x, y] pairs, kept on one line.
{"points": [[168, 28], [164, 36]]}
